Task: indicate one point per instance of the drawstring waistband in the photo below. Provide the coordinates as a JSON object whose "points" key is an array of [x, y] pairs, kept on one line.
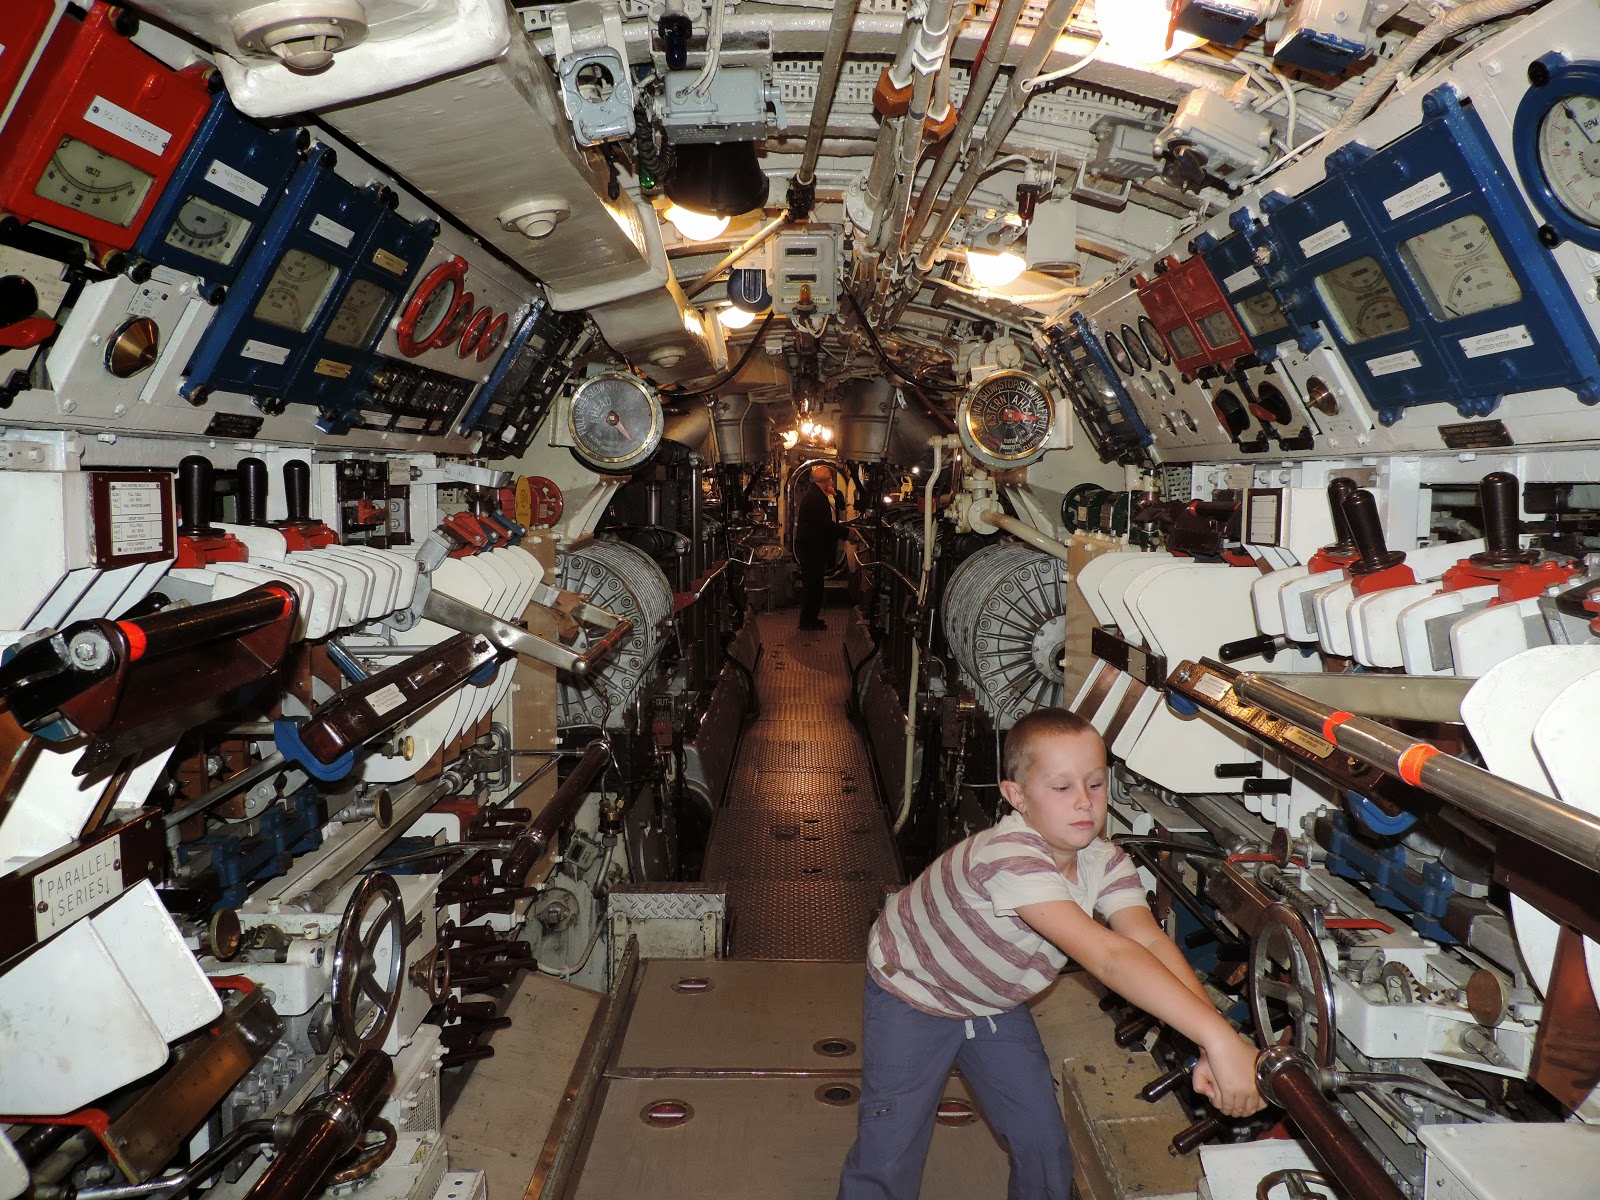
{"points": [[972, 1033]]}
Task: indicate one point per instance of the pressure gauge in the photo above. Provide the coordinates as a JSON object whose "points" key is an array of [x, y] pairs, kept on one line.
{"points": [[1459, 269], [1153, 341], [363, 305], [615, 422], [1362, 300], [1006, 420], [1119, 354]]}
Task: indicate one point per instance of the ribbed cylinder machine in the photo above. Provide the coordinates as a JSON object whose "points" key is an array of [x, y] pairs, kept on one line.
{"points": [[624, 580], [1005, 618], [742, 429]]}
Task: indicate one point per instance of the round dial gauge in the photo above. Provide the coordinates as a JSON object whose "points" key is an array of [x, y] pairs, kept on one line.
{"points": [[209, 232], [296, 291], [1152, 341], [364, 306], [493, 337], [615, 422], [1261, 314], [435, 299], [472, 337], [1136, 347], [1459, 268], [1119, 354], [1569, 155], [1184, 342], [93, 182], [1362, 300], [1006, 419], [1218, 329]]}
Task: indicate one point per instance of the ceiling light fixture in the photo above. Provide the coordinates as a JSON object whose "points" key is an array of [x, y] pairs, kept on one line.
{"points": [[695, 226], [735, 318], [1139, 32], [994, 270]]}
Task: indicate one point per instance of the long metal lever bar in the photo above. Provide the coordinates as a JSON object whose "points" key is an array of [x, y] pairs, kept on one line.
{"points": [[1557, 827], [454, 614]]}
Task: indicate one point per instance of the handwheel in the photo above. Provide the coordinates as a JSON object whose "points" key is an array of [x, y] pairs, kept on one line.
{"points": [[1288, 974], [373, 920]]}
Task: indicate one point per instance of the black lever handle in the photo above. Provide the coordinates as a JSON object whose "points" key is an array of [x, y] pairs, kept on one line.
{"points": [[1244, 770], [1340, 489], [1361, 511], [195, 488], [1500, 493], [252, 492], [1266, 645]]}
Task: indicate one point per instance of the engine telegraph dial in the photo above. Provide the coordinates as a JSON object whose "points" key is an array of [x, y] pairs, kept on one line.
{"points": [[1006, 420], [615, 422]]}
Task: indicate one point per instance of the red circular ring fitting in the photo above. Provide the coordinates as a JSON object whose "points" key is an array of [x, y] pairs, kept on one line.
{"points": [[136, 640], [1332, 723], [1410, 765]]}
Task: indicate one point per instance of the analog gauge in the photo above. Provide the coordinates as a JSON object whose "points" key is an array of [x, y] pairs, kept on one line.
{"points": [[1136, 347], [1569, 155], [1459, 269], [1119, 354], [1153, 341], [365, 304], [456, 323], [615, 422], [1362, 300], [437, 297], [1261, 314], [1184, 342], [91, 181], [1218, 329], [209, 232], [297, 289], [493, 337], [1007, 418], [472, 335]]}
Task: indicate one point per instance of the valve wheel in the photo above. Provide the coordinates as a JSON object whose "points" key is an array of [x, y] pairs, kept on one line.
{"points": [[431, 973], [1289, 976], [374, 920]]}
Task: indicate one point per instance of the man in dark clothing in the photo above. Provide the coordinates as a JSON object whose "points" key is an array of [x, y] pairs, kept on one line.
{"points": [[816, 540]]}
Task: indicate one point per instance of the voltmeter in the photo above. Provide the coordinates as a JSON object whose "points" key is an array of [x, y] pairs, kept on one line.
{"points": [[291, 286], [1006, 420], [614, 421], [1187, 305], [1245, 264], [24, 27], [536, 362], [209, 215], [97, 132], [1425, 264], [1103, 406]]}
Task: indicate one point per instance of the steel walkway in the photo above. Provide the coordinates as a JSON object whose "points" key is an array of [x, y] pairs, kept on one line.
{"points": [[801, 839]]}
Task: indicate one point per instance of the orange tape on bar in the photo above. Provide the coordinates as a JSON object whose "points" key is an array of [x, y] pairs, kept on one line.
{"points": [[287, 597], [136, 640], [1332, 723], [1411, 762]]}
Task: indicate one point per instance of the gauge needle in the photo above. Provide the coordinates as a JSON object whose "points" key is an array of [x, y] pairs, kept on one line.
{"points": [[1573, 117], [615, 418], [1011, 414]]}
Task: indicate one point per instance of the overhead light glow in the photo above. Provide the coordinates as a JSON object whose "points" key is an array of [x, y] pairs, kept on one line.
{"points": [[790, 439], [994, 270], [1134, 32], [696, 226], [735, 318]]}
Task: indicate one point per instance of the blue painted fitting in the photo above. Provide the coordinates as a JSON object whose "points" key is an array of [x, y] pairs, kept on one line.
{"points": [[286, 735], [1375, 819]]}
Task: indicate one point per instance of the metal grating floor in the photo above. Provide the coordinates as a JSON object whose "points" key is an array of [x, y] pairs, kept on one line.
{"points": [[801, 838]]}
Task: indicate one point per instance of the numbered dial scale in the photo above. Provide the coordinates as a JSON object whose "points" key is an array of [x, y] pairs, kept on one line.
{"points": [[206, 220], [1006, 420], [97, 132], [1557, 140], [614, 421]]}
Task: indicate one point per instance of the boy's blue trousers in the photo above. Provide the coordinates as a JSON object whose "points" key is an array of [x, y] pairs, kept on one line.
{"points": [[906, 1056]]}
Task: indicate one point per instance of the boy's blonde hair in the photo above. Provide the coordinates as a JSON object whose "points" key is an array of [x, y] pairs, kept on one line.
{"points": [[1036, 726]]}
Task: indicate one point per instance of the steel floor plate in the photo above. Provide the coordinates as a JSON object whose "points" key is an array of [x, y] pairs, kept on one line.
{"points": [[821, 920], [801, 840]]}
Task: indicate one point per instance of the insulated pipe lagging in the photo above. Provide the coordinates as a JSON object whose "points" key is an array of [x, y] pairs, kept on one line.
{"points": [[904, 814], [839, 27]]}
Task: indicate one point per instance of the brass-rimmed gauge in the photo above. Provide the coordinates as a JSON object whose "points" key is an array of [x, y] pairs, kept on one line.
{"points": [[615, 422], [1005, 421]]}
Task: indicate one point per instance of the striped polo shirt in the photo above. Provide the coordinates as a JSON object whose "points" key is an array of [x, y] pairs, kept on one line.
{"points": [[951, 943]]}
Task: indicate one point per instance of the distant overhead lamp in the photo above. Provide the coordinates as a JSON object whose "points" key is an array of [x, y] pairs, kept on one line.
{"points": [[717, 177], [1139, 32], [994, 269], [696, 226], [735, 318]]}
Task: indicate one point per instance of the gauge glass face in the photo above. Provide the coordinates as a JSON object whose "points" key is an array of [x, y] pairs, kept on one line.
{"points": [[477, 326], [364, 306], [1362, 300], [1459, 269], [1218, 329], [454, 322], [209, 232], [1136, 347], [1569, 155], [1119, 354], [615, 421], [1153, 342], [298, 287], [91, 181], [493, 338], [1261, 314], [1009, 416], [1184, 342], [435, 308]]}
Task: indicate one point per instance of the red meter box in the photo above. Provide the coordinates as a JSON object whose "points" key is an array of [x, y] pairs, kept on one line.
{"points": [[1188, 306]]}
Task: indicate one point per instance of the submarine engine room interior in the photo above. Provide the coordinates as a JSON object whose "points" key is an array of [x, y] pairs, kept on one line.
{"points": [[415, 782]]}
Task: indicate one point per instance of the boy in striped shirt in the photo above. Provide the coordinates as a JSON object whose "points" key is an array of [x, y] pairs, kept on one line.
{"points": [[954, 958]]}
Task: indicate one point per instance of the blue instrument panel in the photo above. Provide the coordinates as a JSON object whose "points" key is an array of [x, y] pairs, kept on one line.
{"points": [[220, 196], [1424, 264], [535, 365], [1105, 410], [1236, 262], [1557, 138], [283, 300]]}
